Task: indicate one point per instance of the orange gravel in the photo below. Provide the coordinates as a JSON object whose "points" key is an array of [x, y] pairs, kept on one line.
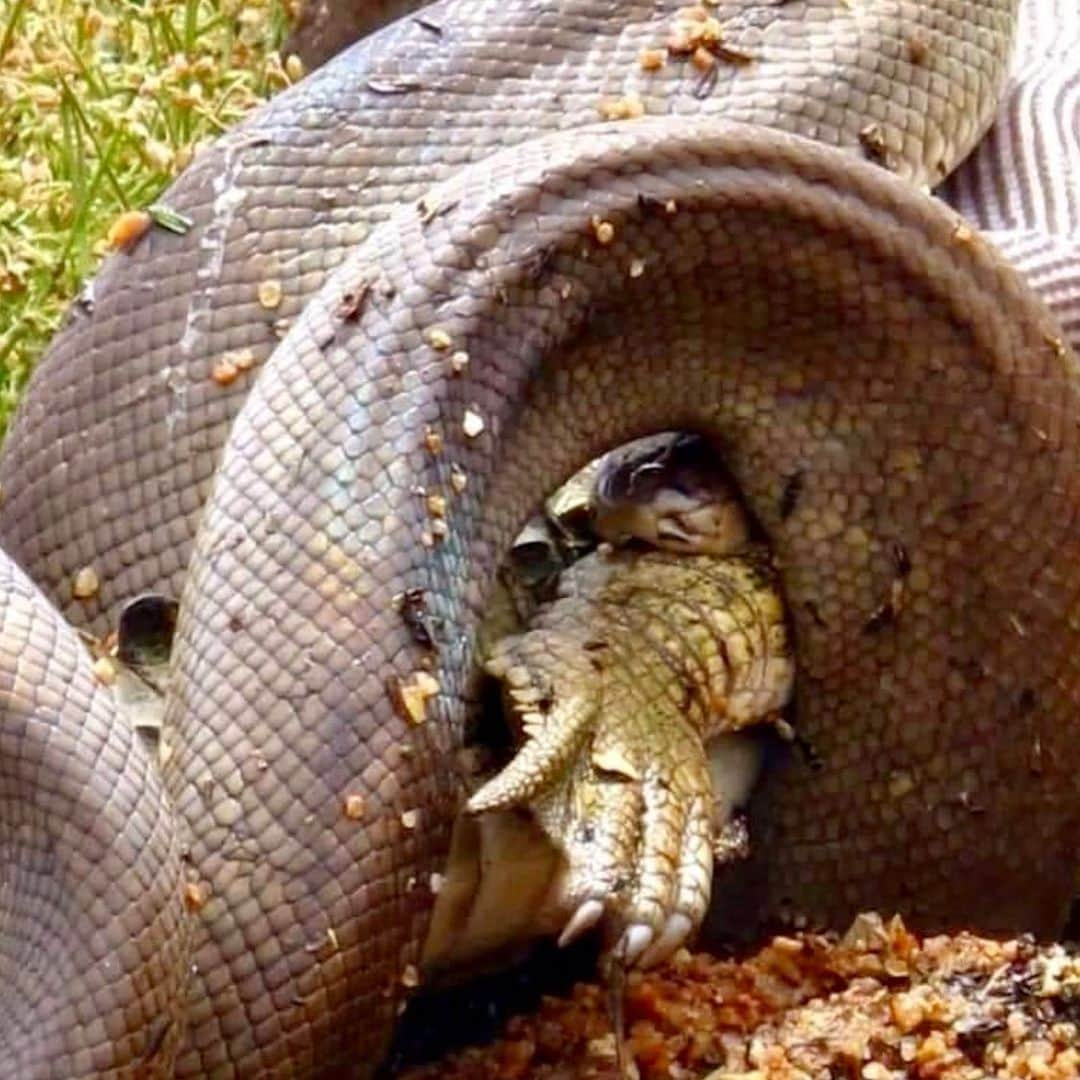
{"points": [[877, 1004]]}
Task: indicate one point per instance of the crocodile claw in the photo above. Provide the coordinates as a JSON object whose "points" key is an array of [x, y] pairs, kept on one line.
{"points": [[614, 691]]}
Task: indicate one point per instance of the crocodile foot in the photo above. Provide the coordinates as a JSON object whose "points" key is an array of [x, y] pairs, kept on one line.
{"points": [[616, 688]]}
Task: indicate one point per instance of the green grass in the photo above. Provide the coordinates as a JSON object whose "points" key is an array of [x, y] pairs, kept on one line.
{"points": [[102, 103]]}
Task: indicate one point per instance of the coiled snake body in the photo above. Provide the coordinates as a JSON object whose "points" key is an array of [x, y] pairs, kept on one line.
{"points": [[899, 409]]}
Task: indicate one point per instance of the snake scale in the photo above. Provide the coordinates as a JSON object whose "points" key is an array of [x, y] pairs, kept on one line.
{"points": [[898, 406]]}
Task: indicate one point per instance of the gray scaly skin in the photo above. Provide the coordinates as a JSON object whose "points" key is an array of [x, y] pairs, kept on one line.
{"points": [[895, 403]]}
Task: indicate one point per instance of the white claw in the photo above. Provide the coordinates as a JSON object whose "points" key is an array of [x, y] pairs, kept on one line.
{"points": [[676, 930], [583, 920], [634, 942]]}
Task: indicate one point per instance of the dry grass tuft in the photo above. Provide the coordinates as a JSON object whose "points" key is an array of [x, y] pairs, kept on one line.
{"points": [[102, 103]]}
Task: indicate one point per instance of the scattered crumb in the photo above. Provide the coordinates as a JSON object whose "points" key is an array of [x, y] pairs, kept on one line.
{"points": [[623, 108], [270, 294], [127, 229], [879, 1003], [85, 584]]}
